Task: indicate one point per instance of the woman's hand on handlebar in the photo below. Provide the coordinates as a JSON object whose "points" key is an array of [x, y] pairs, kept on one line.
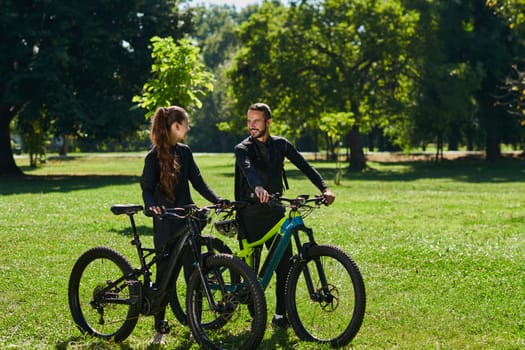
{"points": [[223, 203], [156, 210]]}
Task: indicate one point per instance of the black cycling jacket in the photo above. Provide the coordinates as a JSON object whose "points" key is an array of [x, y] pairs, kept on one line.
{"points": [[152, 192], [261, 164]]}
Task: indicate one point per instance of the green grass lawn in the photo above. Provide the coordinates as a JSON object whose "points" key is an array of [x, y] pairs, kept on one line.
{"points": [[441, 249]]}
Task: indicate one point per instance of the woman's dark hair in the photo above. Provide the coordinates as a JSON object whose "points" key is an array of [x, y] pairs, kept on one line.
{"points": [[160, 139], [262, 107]]}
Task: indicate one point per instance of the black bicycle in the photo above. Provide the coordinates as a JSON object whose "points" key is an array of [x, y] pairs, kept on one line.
{"points": [[225, 301]]}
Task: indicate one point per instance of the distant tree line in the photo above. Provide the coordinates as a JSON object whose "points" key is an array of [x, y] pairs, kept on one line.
{"points": [[376, 74], [414, 72]]}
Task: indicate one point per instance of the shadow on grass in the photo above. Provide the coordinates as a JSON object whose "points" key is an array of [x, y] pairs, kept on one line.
{"points": [[89, 343], [470, 171], [143, 230], [461, 170], [61, 183], [93, 343], [279, 338]]}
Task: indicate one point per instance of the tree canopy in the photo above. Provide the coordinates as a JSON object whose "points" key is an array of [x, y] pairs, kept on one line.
{"points": [[73, 68], [178, 77], [420, 71], [316, 62], [402, 73]]}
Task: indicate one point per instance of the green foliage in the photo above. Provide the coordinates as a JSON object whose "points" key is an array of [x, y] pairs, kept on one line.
{"points": [[513, 11], [441, 249], [512, 96], [320, 58], [407, 72], [36, 139], [420, 71], [335, 124], [216, 32], [480, 44], [74, 67], [177, 77]]}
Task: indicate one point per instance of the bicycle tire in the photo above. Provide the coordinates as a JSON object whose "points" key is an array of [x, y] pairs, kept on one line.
{"points": [[240, 322], [94, 312], [334, 317], [178, 296]]}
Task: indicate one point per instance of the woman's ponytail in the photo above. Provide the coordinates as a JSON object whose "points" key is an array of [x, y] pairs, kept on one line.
{"points": [[161, 123]]}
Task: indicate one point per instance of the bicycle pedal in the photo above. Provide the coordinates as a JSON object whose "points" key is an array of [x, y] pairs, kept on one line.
{"points": [[163, 327]]}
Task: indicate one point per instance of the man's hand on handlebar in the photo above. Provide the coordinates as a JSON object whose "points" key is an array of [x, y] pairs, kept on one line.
{"points": [[262, 194], [329, 196]]}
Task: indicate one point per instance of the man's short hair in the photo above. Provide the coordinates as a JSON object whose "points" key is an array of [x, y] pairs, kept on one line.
{"points": [[262, 107]]}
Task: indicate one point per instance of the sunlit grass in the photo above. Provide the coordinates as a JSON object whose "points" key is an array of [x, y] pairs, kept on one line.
{"points": [[441, 249]]}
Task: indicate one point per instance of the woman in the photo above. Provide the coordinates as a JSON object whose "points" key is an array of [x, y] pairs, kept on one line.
{"points": [[169, 167]]}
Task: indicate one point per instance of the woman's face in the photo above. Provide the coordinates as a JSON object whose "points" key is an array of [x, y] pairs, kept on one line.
{"points": [[178, 131]]}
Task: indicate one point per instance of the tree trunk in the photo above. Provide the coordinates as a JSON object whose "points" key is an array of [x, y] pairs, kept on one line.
{"points": [[454, 137], [492, 148], [491, 125], [62, 151], [439, 148], [357, 156], [8, 166]]}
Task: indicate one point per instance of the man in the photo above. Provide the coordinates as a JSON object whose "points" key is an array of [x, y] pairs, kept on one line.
{"points": [[259, 172]]}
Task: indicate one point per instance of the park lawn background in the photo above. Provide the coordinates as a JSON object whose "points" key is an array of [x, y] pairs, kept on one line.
{"points": [[441, 248]]}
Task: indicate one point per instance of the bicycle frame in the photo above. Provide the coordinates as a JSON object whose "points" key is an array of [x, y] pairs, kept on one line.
{"points": [[287, 227], [322, 282], [224, 306], [188, 240]]}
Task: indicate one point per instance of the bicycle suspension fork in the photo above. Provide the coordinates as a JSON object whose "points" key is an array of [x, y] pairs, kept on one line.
{"points": [[198, 258], [302, 256]]}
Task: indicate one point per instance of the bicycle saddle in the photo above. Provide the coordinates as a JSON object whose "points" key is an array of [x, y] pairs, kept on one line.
{"points": [[118, 209]]}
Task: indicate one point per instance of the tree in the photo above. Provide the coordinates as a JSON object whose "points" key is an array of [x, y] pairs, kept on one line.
{"points": [[326, 58], [216, 32], [487, 40], [511, 95], [75, 67], [445, 101], [178, 77]]}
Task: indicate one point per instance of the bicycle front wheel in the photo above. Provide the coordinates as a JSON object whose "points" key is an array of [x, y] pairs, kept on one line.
{"points": [[178, 294], [234, 315], [330, 312], [103, 302]]}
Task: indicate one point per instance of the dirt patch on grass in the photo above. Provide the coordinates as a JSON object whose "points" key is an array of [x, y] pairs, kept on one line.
{"points": [[392, 157]]}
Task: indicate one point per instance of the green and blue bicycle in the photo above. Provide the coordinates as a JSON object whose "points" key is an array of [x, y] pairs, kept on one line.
{"points": [[325, 292]]}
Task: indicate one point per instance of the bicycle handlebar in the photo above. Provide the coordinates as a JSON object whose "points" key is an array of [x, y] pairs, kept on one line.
{"points": [[299, 201], [277, 199], [190, 210]]}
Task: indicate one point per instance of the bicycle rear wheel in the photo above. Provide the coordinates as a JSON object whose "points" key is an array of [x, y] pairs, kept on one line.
{"points": [[102, 301], [238, 318], [178, 296], [332, 313]]}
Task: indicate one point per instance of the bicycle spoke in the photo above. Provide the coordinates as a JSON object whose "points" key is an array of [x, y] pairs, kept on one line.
{"points": [[236, 318], [333, 313], [98, 306]]}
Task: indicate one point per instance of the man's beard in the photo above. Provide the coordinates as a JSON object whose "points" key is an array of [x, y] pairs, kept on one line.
{"points": [[259, 133]]}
